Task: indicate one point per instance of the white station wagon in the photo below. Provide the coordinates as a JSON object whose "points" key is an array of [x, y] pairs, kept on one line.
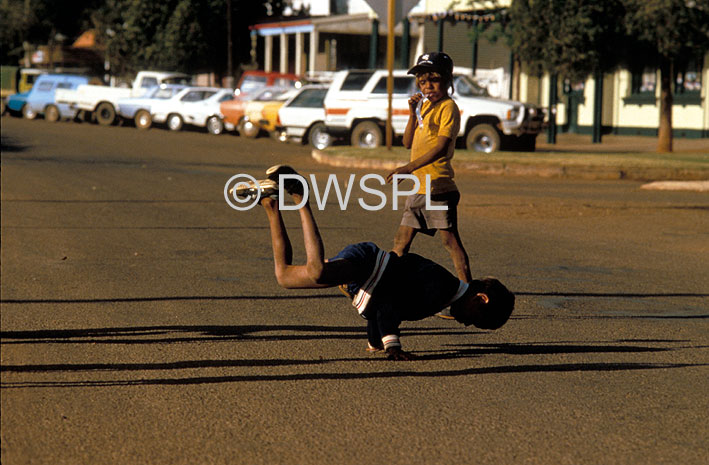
{"points": [[198, 106]]}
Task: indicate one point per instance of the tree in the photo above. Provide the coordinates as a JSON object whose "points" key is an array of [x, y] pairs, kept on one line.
{"points": [[671, 31], [39, 22], [576, 37], [181, 35], [572, 38]]}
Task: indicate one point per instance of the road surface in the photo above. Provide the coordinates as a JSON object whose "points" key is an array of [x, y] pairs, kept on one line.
{"points": [[141, 322]]}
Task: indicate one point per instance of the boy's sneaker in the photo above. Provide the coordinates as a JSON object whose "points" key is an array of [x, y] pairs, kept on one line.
{"points": [[374, 349], [292, 186], [250, 190], [445, 314]]}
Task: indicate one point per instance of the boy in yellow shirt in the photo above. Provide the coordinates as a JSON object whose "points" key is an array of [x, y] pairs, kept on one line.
{"points": [[431, 137]]}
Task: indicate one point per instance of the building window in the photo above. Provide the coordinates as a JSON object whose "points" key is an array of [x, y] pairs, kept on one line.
{"points": [[643, 82], [688, 84]]}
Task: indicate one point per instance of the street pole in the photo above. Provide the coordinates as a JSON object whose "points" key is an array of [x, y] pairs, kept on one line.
{"points": [[229, 63], [390, 68]]}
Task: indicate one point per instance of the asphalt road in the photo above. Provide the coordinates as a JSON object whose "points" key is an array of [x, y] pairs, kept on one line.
{"points": [[141, 323]]}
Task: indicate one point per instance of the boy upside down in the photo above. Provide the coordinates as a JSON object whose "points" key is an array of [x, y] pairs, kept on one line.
{"points": [[385, 288]]}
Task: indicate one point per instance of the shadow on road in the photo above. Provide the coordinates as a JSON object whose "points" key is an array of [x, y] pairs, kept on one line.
{"points": [[331, 296], [566, 367], [8, 144], [268, 333]]}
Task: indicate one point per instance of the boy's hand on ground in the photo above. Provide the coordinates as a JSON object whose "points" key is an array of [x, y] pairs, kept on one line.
{"points": [[395, 353]]}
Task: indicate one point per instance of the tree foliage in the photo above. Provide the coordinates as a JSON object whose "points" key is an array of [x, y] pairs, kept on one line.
{"points": [[572, 38], [669, 33], [674, 30], [39, 22], [184, 35], [181, 35]]}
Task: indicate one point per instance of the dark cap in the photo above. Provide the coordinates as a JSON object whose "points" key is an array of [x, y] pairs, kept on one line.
{"points": [[438, 62]]}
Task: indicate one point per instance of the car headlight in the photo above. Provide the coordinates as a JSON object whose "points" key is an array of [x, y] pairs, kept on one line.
{"points": [[513, 113]]}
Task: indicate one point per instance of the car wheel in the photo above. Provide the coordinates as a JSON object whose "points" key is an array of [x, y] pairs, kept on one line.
{"points": [[483, 138], [105, 114], [366, 134], [28, 112], [51, 113], [215, 125], [143, 120], [174, 122], [249, 129], [319, 137]]}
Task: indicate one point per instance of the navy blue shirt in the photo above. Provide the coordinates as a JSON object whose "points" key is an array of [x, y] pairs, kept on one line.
{"points": [[409, 288]]}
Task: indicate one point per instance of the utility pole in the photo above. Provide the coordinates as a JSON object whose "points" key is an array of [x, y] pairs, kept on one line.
{"points": [[390, 67], [229, 63]]}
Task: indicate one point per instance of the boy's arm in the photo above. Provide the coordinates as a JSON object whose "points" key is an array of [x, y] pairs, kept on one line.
{"points": [[408, 138], [440, 150]]}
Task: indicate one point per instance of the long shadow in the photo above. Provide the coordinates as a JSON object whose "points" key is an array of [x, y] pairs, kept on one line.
{"points": [[164, 334], [171, 299], [332, 296], [554, 368], [633, 295], [8, 144], [137, 335], [477, 351]]}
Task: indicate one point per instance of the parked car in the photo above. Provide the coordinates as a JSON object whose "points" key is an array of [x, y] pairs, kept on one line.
{"points": [[302, 117], [356, 107], [138, 108], [264, 115], [198, 106], [40, 100], [101, 101], [245, 111], [253, 81], [15, 80]]}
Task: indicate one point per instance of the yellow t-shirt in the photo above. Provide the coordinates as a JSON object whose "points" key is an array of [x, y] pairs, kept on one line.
{"points": [[439, 119]]}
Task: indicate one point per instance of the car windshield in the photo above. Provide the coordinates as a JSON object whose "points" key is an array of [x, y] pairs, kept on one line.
{"points": [[402, 85], [164, 92], [309, 98], [270, 94], [467, 87], [251, 83]]}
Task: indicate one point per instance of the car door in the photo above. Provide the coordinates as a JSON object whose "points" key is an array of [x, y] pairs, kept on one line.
{"points": [[404, 87], [41, 94], [194, 107], [303, 110]]}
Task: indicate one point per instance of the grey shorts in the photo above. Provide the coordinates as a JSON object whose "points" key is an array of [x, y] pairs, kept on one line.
{"points": [[428, 221]]}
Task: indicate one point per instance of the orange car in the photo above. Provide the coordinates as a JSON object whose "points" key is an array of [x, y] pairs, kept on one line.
{"points": [[247, 115]]}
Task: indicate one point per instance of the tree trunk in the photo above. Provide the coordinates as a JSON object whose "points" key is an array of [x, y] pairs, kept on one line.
{"points": [[664, 132]]}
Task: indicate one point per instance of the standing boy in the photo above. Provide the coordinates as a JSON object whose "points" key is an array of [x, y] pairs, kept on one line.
{"points": [[431, 137]]}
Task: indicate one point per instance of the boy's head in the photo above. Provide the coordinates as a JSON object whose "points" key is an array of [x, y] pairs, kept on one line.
{"points": [[487, 304], [437, 62], [434, 74]]}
